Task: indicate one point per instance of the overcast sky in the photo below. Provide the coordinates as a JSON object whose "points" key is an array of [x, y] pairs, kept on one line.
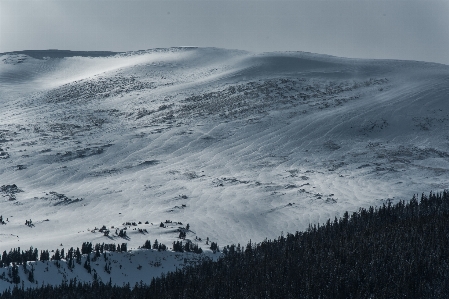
{"points": [[416, 30]]}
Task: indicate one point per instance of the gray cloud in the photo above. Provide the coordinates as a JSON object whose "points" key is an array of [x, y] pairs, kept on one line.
{"points": [[416, 30]]}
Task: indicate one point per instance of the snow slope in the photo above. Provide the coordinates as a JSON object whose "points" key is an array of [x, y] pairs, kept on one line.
{"points": [[239, 145], [138, 266]]}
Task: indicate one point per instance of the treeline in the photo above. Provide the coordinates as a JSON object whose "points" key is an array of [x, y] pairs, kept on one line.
{"points": [[19, 257], [75, 289], [392, 251], [156, 245], [87, 247], [187, 247]]}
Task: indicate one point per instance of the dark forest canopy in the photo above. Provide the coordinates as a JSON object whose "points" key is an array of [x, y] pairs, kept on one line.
{"points": [[392, 251]]}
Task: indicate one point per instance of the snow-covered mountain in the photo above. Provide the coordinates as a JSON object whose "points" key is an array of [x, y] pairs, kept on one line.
{"points": [[238, 145]]}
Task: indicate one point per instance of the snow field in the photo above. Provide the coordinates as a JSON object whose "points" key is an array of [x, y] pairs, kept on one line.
{"points": [[239, 145]]}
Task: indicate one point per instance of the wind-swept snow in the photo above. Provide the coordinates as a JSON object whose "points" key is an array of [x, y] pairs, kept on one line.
{"points": [[239, 145]]}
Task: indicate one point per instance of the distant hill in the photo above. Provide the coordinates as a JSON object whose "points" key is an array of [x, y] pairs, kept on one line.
{"points": [[55, 53]]}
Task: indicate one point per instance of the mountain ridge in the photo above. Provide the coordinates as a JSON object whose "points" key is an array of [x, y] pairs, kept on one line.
{"points": [[239, 145]]}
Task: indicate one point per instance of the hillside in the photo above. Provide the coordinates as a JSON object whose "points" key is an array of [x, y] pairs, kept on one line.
{"points": [[238, 145]]}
